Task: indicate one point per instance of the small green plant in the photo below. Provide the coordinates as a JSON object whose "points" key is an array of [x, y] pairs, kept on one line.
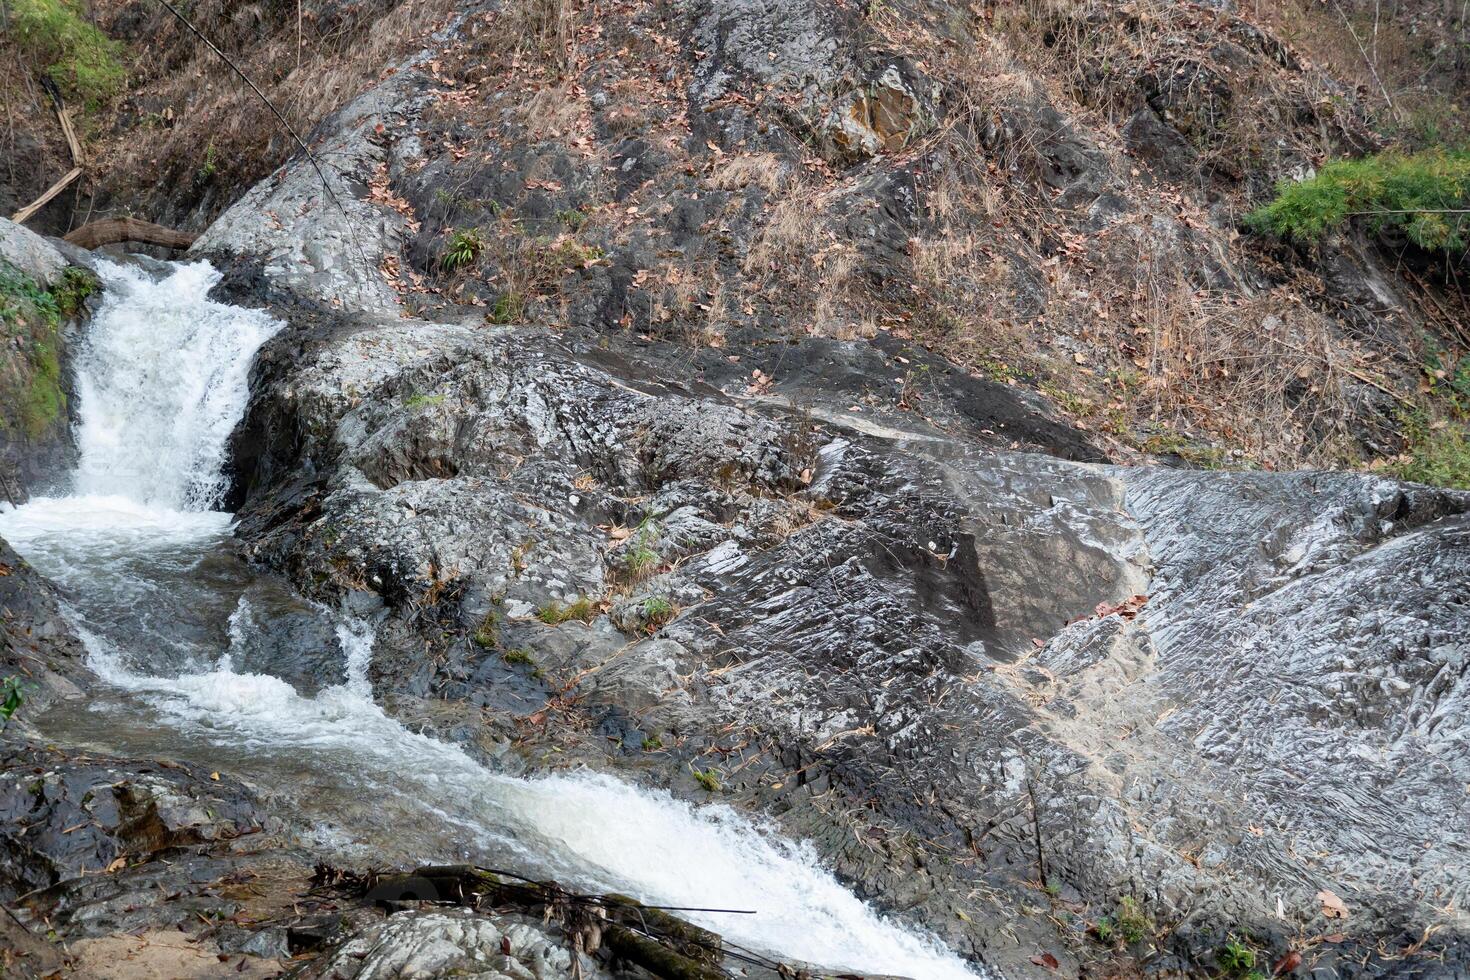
{"points": [[554, 613], [573, 218], [73, 289], [709, 779], [519, 657], [422, 401], [1425, 195], [642, 557], [54, 35], [1235, 957], [657, 610], [1103, 930], [463, 248], [508, 307], [1132, 924], [652, 744], [11, 698], [209, 167], [487, 634], [1052, 889]]}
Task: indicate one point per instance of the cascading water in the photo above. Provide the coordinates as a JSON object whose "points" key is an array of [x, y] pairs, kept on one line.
{"points": [[171, 617]]}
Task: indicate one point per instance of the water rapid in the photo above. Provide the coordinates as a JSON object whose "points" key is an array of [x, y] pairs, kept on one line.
{"points": [[188, 642]]}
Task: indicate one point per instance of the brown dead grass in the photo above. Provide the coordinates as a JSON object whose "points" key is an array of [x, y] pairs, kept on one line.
{"points": [[204, 130]]}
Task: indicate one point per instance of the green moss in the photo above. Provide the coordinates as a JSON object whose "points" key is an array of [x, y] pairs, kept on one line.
{"points": [[31, 396], [422, 401], [1424, 195], [83, 61], [709, 779], [519, 657], [652, 744]]}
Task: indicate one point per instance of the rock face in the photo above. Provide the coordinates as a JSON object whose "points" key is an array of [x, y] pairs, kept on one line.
{"points": [[1211, 697]]}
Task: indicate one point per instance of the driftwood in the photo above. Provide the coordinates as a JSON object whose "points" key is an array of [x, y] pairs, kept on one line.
{"points": [[20, 216], [110, 231]]}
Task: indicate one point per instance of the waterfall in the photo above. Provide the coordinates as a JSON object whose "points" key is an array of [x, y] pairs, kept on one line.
{"points": [[161, 381], [163, 611]]}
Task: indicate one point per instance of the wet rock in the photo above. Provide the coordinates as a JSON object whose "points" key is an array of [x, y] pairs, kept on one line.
{"points": [[37, 645], [64, 816], [936, 640]]}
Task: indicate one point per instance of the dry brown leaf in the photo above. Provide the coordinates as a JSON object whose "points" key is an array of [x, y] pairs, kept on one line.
{"points": [[1332, 906]]}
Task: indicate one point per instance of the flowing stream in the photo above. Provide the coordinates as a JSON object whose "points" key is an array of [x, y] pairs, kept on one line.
{"points": [[204, 658]]}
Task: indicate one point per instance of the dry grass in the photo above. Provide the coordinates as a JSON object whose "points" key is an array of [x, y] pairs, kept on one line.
{"points": [[818, 280], [213, 132], [763, 170]]}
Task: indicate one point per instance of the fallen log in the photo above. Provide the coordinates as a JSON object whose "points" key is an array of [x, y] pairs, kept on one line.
{"points": [[110, 231]]}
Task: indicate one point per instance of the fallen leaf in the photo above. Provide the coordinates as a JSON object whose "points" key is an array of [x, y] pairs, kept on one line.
{"points": [[1332, 906], [1047, 960], [117, 865], [1287, 963], [214, 776]]}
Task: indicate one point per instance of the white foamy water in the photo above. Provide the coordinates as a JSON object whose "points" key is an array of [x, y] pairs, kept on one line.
{"points": [[163, 382]]}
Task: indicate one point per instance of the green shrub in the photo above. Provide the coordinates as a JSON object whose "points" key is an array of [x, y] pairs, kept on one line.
{"points": [[1426, 195], [83, 61]]}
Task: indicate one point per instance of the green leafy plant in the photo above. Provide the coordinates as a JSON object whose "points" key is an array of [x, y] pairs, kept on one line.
{"points": [[463, 248], [1425, 195], [11, 698], [652, 743], [83, 61], [1236, 958], [1132, 924], [657, 610]]}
